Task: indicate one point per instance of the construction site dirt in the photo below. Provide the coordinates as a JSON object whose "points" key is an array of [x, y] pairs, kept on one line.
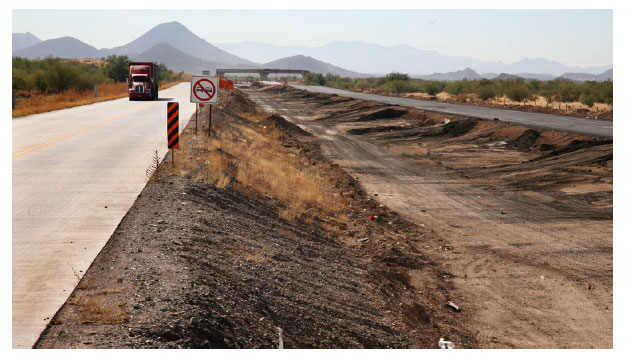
{"points": [[487, 234], [525, 215], [196, 266]]}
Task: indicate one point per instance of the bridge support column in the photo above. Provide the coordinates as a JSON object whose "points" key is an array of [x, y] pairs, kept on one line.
{"points": [[264, 76]]}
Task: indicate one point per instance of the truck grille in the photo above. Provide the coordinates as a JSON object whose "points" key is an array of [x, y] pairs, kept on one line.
{"points": [[139, 89]]}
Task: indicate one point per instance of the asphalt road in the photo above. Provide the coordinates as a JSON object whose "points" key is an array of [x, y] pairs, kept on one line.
{"points": [[602, 128], [76, 173]]}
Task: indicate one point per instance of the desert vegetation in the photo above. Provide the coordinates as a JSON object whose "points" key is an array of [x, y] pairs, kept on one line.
{"points": [[53, 83], [517, 90]]}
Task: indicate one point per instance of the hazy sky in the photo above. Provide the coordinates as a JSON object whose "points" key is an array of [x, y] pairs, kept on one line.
{"points": [[572, 37]]}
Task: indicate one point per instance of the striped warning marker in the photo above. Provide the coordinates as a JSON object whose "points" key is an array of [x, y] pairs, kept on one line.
{"points": [[172, 124]]}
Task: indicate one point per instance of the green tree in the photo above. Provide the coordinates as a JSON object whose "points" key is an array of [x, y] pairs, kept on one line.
{"points": [[61, 76], [433, 87], [395, 76], [486, 92], [314, 79], [588, 99], [117, 68], [518, 92]]}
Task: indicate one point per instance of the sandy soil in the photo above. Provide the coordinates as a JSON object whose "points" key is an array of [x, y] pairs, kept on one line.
{"points": [[195, 266], [523, 216]]}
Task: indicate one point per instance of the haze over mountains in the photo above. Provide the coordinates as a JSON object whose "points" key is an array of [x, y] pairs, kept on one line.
{"points": [[180, 49]]}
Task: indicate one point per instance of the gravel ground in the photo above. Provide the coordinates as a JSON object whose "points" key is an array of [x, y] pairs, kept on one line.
{"points": [[194, 266]]}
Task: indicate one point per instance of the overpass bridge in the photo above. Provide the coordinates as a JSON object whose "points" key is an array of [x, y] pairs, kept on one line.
{"points": [[263, 72]]}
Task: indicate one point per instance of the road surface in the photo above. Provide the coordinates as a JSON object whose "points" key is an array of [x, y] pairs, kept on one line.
{"points": [[603, 128], [76, 172]]}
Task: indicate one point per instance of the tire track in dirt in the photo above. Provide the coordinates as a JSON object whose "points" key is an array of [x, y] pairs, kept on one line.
{"points": [[525, 274]]}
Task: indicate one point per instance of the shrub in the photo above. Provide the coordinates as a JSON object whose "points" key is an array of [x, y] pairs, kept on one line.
{"points": [[518, 92], [486, 92]]}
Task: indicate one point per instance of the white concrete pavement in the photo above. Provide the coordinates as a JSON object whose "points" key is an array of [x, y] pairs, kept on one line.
{"points": [[76, 173]]}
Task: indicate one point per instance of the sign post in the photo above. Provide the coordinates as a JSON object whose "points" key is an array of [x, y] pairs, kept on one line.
{"points": [[204, 90]]}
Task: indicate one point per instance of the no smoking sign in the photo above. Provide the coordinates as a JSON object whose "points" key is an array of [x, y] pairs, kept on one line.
{"points": [[203, 89]]}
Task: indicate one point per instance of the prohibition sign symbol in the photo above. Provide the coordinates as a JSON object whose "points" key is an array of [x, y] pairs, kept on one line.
{"points": [[201, 89]]}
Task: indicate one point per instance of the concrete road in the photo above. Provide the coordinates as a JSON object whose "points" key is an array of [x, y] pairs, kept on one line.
{"points": [[601, 128], [76, 172]]}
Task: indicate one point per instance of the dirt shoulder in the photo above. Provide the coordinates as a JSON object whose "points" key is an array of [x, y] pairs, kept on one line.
{"points": [[194, 265], [523, 216]]}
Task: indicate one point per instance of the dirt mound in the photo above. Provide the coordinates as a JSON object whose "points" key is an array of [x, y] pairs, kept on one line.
{"points": [[577, 145], [283, 124], [237, 103], [460, 127], [525, 141], [388, 113]]}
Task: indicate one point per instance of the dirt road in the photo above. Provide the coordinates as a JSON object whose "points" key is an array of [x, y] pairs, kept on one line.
{"points": [[525, 215]]}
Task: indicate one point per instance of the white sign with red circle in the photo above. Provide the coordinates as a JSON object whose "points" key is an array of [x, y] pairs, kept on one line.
{"points": [[203, 89]]}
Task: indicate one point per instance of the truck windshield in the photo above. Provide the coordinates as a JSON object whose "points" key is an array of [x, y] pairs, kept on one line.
{"points": [[139, 78]]}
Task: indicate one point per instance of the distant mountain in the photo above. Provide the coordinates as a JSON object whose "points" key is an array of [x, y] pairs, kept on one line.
{"points": [[537, 76], [64, 47], [377, 59], [310, 64], [177, 60], [607, 75], [470, 74], [178, 36], [23, 40], [467, 73], [261, 52]]}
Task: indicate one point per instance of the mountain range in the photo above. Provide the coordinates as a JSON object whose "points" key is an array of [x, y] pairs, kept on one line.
{"points": [[181, 50], [470, 74]]}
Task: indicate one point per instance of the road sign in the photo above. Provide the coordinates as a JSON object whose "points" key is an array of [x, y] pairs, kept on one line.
{"points": [[203, 90], [172, 125], [225, 83]]}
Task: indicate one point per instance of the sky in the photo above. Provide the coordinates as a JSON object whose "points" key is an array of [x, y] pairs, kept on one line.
{"points": [[573, 37]]}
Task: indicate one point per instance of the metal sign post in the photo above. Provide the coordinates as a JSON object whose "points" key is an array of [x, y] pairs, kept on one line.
{"points": [[204, 90], [209, 118]]}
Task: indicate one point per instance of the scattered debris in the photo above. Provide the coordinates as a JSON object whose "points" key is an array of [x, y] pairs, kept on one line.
{"points": [[280, 342], [443, 344], [363, 240], [503, 212], [452, 305]]}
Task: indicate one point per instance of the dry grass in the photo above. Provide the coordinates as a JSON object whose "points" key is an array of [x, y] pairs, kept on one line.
{"points": [[259, 256], [35, 102], [256, 158], [97, 310]]}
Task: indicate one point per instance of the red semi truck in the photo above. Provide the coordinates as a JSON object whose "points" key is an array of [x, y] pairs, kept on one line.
{"points": [[143, 81]]}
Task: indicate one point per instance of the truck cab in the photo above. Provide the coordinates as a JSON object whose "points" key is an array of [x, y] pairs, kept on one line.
{"points": [[143, 81]]}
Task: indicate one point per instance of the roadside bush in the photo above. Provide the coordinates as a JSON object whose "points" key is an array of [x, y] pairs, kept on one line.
{"points": [[117, 68], [395, 76], [518, 92], [433, 87], [588, 99], [400, 86], [486, 92], [314, 79]]}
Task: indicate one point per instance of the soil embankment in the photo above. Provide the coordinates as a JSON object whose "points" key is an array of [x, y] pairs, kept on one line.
{"points": [[211, 256], [524, 215]]}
